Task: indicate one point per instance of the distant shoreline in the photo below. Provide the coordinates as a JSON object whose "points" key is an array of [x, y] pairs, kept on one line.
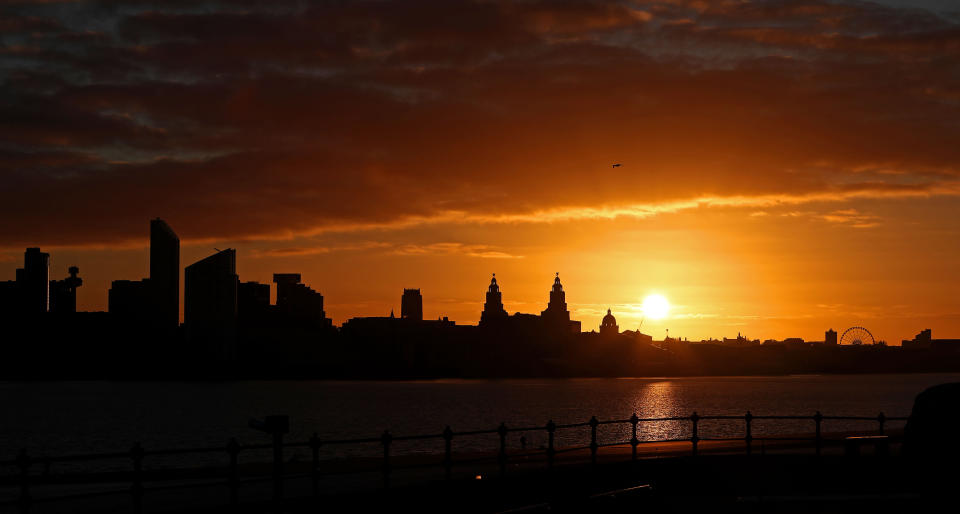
{"points": [[440, 379]]}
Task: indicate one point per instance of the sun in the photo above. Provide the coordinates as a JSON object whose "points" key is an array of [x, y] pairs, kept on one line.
{"points": [[656, 306]]}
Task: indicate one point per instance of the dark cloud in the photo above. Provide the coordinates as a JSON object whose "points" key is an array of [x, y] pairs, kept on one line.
{"points": [[244, 120]]}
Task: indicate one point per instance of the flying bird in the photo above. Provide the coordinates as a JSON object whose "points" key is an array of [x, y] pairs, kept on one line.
{"points": [[617, 165]]}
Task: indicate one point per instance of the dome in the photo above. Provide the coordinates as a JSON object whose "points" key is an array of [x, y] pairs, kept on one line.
{"points": [[608, 320]]}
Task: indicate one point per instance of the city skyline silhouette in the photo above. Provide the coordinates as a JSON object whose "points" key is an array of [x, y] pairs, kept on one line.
{"points": [[479, 256], [771, 168]]}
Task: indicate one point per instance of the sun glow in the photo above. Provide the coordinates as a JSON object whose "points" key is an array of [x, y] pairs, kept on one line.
{"points": [[656, 306]]}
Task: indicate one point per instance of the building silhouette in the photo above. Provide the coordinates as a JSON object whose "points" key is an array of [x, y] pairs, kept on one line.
{"points": [[210, 305], [129, 301], [830, 337], [63, 293], [411, 305], [297, 300], [556, 316], [152, 303], [164, 275], [925, 340], [253, 301], [608, 326], [493, 310], [34, 281], [29, 293]]}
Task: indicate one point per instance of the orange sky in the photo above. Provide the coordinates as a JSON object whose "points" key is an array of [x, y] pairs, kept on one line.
{"points": [[788, 166]]}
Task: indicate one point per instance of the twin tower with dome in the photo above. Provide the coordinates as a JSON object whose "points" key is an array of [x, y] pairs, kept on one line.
{"points": [[556, 317]]}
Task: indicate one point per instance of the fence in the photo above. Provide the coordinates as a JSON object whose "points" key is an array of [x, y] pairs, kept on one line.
{"points": [[26, 477]]}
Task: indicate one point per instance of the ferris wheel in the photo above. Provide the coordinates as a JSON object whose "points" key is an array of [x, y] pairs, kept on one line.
{"points": [[856, 336]]}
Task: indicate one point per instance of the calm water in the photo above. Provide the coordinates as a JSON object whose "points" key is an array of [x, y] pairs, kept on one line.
{"points": [[79, 417]]}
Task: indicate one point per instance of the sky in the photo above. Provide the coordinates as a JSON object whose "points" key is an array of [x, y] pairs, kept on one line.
{"points": [[786, 166]]}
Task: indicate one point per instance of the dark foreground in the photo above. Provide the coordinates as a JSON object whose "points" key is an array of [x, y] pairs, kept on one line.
{"points": [[785, 482], [781, 483]]}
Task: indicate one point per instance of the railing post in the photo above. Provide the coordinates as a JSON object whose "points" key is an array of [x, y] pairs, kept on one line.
{"points": [[818, 419], [277, 466], [881, 419], [633, 439], [593, 440], [551, 428], [136, 489], [23, 462], [502, 431], [748, 419], [386, 439], [448, 452], [233, 450], [694, 437], [315, 467]]}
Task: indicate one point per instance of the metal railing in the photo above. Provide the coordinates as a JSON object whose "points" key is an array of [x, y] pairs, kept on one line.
{"points": [[26, 478]]}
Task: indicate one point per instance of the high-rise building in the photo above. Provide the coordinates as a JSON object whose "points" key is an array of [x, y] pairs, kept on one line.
{"points": [[297, 300], [210, 305], [493, 308], [411, 305], [34, 280], [164, 274]]}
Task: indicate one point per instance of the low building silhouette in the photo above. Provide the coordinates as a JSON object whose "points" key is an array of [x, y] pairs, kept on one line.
{"points": [[253, 300], [63, 293], [830, 337], [29, 294], [925, 340], [608, 326], [129, 301], [152, 305]]}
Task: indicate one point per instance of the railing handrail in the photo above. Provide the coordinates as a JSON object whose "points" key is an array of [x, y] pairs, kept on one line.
{"points": [[367, 440], [137, 453]]}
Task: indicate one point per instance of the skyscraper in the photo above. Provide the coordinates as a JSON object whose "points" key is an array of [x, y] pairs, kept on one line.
{"points": [[411, 305], [210, 305], [164, 274], [35, 281], [493, 308], [298, 300]]}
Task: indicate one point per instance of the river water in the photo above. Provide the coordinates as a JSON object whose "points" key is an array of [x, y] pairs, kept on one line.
{"points": [[63, 418]]}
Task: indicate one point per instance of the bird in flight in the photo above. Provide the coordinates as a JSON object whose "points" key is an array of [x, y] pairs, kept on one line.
{"points": [[617, 165]]}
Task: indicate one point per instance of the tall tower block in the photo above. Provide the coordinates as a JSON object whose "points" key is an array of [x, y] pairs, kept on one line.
{"points": [[164, 274]]}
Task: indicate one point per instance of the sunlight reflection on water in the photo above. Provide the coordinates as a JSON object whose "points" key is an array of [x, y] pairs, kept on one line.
{"points": [[78, 417]]}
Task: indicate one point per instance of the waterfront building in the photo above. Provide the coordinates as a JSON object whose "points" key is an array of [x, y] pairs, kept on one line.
{"points": [[608, 326], [411, 305], [493, 310]]}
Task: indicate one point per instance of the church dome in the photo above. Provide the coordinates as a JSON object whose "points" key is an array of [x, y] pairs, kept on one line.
{"points": [[608, 320]]}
